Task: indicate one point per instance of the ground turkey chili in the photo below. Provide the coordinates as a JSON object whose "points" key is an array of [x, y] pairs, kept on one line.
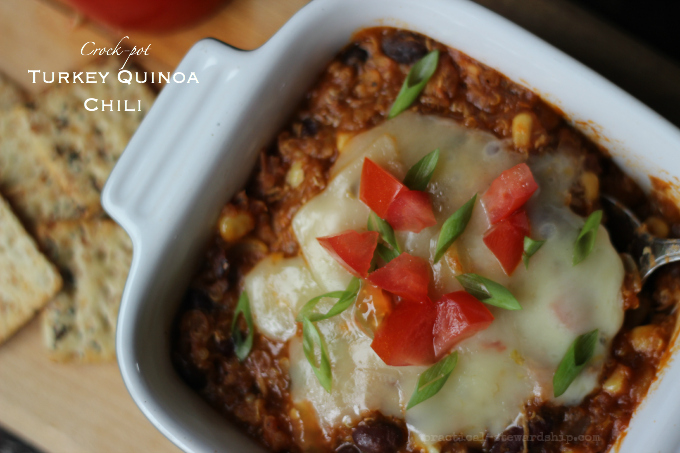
{"points": [[353, 94]]}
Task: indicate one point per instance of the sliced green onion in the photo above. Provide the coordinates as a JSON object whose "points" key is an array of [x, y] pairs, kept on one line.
{"points": [[454, 227], [311, 304], [576, 358], [531, 246], [345, 300], [387, 254], [415, 82], [586, 239], [375, 223], [242, 345], [311, 338], [418, 176], [488, 291], [433, 379]]}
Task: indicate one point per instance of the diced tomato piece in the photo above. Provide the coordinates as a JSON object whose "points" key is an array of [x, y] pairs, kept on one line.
{"points": [[520, 220], [378, 187], [411, 210], [405, 336], [352, 249], [506, 240], [405, 276], [459, 316], [509, 192]]}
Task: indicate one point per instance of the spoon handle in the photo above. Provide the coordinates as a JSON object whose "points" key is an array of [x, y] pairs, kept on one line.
{"points": [[658, 252]]}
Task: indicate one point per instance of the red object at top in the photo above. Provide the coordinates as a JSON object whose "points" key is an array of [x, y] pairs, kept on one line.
{"points": [[459, 316], [352, 249], [378, 187], [146, 15], [411, 210], [405, 276], [509, 192], [405, 335], [506, 240]]}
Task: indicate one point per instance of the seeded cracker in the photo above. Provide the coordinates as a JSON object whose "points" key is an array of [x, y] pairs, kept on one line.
{"points": [[27, 280], [80, 324], [31, 177], [92, 141], [56, 156]]}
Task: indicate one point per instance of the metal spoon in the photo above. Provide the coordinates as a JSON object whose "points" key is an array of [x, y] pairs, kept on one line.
{"points": [[629, 235]]}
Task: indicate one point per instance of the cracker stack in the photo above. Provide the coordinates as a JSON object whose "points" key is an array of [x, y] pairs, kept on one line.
{"points": [[34, 177], [55, 157], [95, 255], [27, 280]]}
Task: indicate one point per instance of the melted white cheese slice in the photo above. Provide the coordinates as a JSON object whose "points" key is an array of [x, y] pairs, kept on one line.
{"points": [[499, 369], [278, 288], [337, 209]]}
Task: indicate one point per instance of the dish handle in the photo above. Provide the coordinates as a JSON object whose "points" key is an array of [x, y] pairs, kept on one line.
{"points": [[179, 143]]}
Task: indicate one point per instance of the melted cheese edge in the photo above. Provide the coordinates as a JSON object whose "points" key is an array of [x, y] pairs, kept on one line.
{"points": [[499, 369]]}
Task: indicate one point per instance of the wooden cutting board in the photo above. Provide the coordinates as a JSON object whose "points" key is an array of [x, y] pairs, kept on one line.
{"points": [[48, 35], [65, 408], [69, 408]]}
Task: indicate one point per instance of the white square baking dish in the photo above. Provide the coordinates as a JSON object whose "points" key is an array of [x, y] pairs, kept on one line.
{"points": [[198, 143]]}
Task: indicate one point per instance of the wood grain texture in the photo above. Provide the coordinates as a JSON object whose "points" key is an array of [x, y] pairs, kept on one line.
{"points": [[46, 35], [35, 35], [246, 24], [65, 408]]}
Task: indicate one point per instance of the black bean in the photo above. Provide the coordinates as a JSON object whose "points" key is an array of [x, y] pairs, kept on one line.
{"points": [[217, 262], [404, 48], [539, 427], [223, 344], [510, 441], [354, 55], [197, 300], [378, 437], [309, 127]]}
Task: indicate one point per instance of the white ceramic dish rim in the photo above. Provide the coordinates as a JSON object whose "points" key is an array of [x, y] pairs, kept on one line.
{"points": [[195, 148]]}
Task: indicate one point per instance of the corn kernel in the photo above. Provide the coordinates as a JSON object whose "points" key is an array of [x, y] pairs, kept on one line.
{"points": [[295, 175], [657, 226], [233, 224], [341, 139], [647, 340], [591, 185], [522, 125], [617, 383]]}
